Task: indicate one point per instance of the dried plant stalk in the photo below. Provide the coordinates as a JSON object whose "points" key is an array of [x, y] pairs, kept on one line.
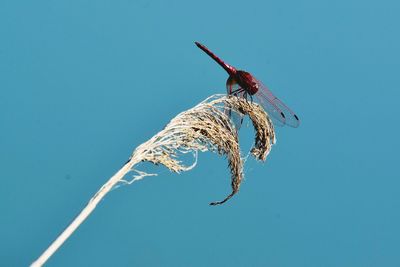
{"points": [[203, 127]]}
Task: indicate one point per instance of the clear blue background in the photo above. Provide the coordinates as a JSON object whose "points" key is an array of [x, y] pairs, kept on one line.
{"points": [[82, 83]]}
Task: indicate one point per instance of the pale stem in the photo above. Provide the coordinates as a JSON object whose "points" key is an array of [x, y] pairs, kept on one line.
{"points": [[85, 212]]}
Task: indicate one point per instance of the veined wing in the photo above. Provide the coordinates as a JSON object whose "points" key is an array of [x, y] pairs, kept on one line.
{"points": [[236, 118], [275, 107]]}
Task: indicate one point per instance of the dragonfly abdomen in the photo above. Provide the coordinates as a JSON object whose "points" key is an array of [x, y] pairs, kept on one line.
{"points": [[228, 68]]}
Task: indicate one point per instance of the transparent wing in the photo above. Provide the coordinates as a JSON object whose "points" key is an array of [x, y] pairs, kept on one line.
{"points": [[275, 107], [231, 85], [236, 118]]}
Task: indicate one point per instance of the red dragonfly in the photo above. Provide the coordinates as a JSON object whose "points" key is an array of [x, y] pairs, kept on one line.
{"points": [[243, 84]]}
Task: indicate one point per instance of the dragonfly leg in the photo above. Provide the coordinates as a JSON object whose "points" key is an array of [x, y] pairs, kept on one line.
{"points": [[237, 91], [245, 95]]}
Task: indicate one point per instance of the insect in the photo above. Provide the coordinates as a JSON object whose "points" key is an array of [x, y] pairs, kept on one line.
{"points": [[243, 84]]}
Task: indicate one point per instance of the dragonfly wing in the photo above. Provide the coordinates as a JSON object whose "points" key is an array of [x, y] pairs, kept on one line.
{"points": [[236, 118], [273, 110], [231, 85], [275, 107]]}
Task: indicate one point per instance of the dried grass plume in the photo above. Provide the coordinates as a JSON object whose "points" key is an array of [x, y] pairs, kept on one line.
{"points": [[205, 127]]}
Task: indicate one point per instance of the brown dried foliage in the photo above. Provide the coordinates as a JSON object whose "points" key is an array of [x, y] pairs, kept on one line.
{"points": [[208, 127]]}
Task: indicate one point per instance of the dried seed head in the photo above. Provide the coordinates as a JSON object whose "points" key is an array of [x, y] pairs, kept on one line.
{"points": [[208, 127]]}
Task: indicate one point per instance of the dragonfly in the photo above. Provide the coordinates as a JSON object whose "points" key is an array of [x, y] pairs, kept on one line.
{"points": [[243, 84]]}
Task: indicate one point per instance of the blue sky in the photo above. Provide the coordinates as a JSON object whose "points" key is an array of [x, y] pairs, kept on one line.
{"points": [[84, 82]]}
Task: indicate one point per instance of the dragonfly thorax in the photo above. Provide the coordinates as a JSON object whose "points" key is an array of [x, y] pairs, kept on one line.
{"points": [[247, 82]]}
